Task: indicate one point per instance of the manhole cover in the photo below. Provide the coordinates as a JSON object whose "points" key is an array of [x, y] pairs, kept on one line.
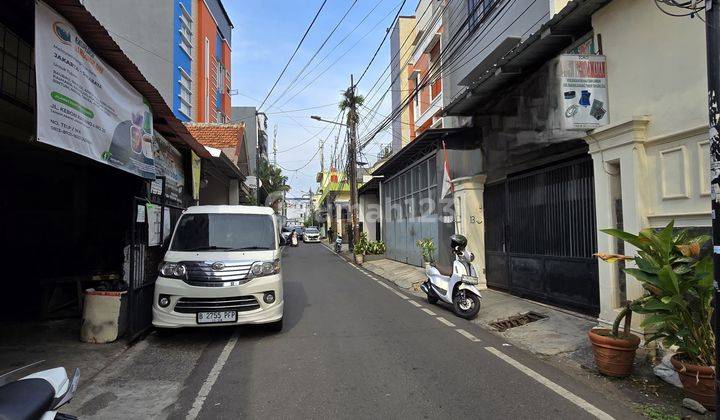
{"points": [[516, 321]]}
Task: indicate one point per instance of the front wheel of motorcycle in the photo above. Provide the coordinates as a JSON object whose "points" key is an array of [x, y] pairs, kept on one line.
{"points": [[466, 304]]}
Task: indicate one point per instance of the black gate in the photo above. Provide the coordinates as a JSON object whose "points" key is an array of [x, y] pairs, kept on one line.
{"points": [[541, 237], [143, 263]]}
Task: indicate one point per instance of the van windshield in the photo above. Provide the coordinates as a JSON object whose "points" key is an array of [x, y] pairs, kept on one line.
{"points": [[224, 232]]}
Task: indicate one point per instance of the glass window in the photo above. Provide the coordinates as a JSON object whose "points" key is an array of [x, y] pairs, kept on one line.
{"points": [[432, 171], [408, 186], [206, 232], [423, 175], [416, 178]]}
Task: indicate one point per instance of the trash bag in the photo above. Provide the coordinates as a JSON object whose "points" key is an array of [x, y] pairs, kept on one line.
{"points": [[665, 371]]}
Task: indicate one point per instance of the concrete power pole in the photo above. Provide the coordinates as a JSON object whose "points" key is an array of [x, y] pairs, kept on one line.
{"points": [[275, 145], [712, 32], [322, 157], [352, 163]]}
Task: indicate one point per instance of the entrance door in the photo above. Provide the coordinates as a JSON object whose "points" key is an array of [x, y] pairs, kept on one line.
{"points": [[495, 225], [540, 244]]}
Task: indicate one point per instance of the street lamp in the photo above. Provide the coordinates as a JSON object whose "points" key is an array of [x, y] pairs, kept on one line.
{"points": [[319, 118]]}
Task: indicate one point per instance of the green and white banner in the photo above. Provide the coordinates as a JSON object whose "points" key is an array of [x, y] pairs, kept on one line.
{"points": [[85, 106]]}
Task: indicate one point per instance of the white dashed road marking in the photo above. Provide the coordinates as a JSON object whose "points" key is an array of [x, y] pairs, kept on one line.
{"points": [[467, 335], [428, 311], [212, 377], [551, 385], [400, 294], [445, 321], [412, 302]]}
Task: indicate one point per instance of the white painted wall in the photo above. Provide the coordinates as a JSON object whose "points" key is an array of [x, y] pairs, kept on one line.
{"points": [[656, 142]]}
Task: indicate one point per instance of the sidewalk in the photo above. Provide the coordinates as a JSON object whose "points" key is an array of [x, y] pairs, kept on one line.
{"points": [[560, 339]]}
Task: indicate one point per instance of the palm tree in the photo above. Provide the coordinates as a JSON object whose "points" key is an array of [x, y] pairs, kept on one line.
{"points": [[350, 103], [274, 183]]}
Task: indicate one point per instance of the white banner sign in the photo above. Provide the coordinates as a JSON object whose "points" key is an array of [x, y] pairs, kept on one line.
{"points": [[583, 91], [85, 106]]}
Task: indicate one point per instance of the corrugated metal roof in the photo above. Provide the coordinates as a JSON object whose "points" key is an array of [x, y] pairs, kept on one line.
{"points": [[100, 41]]}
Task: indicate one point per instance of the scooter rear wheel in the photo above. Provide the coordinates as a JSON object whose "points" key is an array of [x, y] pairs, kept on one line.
{"points": [[432, 299], [468, 307]]}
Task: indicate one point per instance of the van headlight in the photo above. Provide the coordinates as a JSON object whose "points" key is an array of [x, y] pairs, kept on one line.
{"points": [[265, 268], [173, 270]]}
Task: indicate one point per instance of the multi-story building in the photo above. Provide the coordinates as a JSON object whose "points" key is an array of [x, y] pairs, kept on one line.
{"points": [[403, 34], [182, 46], [425, 86]]}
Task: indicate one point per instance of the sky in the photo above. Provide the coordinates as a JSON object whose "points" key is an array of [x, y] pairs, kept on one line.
{"points": [[265, 34]]}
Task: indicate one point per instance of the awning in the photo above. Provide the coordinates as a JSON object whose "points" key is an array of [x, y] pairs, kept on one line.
{"points": [[426, 142], [100, 41], [549, 41], [370, 187], [223, 163]]}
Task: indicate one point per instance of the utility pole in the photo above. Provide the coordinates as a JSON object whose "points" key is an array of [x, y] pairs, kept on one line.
{"points": [[322, 157], [275, 145], [352, 163], [712, 33]]}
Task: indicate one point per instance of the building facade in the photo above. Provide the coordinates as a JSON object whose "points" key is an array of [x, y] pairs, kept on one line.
{"points": [[183, 46], [651, 162], [403, 34]]}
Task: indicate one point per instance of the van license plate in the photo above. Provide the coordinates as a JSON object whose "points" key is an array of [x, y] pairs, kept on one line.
{"points": [[216, 317]]}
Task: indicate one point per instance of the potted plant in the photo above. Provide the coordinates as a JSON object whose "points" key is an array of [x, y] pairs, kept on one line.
{"points": [[679, 285], [359, 252], [360, 248], [427, 249], [615, 352]]}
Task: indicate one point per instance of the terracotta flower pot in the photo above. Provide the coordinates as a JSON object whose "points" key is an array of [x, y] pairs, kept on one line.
{"points": [[698, 381], [614, 356]]}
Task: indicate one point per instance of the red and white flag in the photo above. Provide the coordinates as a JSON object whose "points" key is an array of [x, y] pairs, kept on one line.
{"points": [[447, 185]]}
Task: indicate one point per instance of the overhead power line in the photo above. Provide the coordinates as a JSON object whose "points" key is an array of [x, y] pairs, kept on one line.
{"points": [[293, 54], [387, 32], [317, 51]]}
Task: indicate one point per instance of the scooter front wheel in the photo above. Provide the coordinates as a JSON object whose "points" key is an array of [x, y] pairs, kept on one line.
{"points": [[466, 305]]}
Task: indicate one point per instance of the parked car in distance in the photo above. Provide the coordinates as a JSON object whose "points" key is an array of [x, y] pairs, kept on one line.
{"points": [[312, 234], [285, 233], [222, 267]]}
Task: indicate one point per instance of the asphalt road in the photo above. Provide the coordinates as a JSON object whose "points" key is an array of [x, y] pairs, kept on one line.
{"points": [[354, 347]]}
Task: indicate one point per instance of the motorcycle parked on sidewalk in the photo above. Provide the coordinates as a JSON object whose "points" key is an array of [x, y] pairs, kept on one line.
{"points": [[455, 285], [38, 396]]}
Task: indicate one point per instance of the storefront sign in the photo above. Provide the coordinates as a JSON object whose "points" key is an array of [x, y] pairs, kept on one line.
{"points": [[168, 163], [583, 91], [85, 106]]}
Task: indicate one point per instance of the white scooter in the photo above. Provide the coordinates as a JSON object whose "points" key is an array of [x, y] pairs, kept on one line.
{"points": [[338, 244], [38, 396], [455, 285], [293, 239]]}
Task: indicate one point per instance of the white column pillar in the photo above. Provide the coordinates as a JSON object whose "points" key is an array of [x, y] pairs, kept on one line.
{"points": [[234, 192], [469, 194], [618, 151]]}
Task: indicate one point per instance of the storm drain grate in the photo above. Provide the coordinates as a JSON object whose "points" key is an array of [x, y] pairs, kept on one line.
{"points": [[517, 321]]}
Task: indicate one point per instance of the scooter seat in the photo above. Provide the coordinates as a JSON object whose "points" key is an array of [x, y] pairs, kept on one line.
{"points": [[25, 399], [445, 270]]}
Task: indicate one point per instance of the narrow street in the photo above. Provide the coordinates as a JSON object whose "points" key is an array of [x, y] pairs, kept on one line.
{"points": [[355, 347]]}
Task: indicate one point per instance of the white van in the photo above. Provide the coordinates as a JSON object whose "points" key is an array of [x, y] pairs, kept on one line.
{"points": [[222, 267]]}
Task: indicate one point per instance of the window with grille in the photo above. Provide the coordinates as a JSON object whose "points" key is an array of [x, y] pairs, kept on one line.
{"points": [[185, 93], [17, 69], [186, 34]]}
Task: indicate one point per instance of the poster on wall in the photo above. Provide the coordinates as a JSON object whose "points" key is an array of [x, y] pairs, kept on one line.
{"points": [[154, 223], [168, 163], [196, 174], [583, 91], [85, 106]]}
